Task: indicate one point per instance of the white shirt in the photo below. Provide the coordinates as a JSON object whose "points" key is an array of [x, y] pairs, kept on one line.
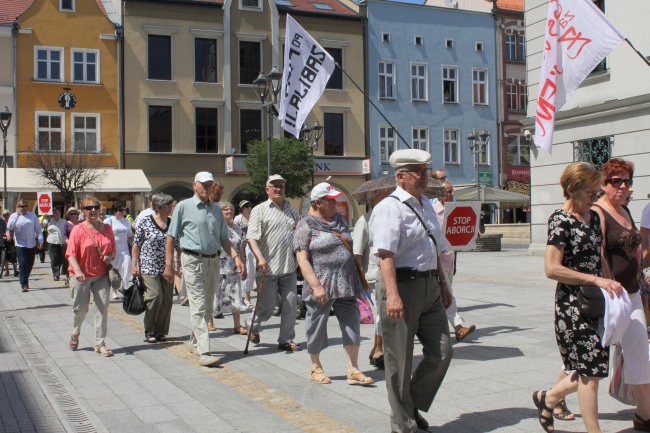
{"points": [[645, 217], [55, 231], [122, 232], [362, 244], [397, 229]]}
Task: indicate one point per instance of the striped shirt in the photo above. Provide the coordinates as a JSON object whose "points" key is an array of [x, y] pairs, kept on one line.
{"points": [[273, 229]]}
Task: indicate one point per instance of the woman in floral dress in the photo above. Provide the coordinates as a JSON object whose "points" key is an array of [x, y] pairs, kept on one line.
{"points": [[573, 258]]}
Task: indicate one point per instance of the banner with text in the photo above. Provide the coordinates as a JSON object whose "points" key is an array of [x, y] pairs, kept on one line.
{"points": [[307, 69], [578, 37]]}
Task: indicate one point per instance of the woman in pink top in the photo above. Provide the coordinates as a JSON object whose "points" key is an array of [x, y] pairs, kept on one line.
{"points": [[91, 248]]}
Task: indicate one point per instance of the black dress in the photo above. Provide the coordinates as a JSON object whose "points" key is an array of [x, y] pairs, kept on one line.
{"points": [[576, 335]]}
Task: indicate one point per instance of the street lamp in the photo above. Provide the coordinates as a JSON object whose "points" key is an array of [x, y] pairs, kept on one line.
{"points": [[311, 136], [478, 141], [5, 121], [268, 88]]}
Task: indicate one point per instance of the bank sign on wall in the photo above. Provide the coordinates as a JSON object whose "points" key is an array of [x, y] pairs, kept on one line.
{"points": [[322, 166]]}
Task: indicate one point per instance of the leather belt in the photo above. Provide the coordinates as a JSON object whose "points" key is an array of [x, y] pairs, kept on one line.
{"points": [[412, 274], [197, 254]]}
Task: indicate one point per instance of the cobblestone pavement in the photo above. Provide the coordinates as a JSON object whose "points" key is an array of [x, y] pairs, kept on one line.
{"points": [[160, 387]]}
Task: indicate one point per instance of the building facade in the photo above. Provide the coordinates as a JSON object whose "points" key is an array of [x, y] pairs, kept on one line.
{"points": [[607, 116], [67, 81], [432, 73]]}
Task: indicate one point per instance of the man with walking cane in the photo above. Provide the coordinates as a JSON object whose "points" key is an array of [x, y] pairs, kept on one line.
{"points": [[203, 233], [270, 236]]}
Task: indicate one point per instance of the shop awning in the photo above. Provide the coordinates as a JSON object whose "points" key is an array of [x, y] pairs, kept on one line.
{"points": [[492, 195], [111, 180]]}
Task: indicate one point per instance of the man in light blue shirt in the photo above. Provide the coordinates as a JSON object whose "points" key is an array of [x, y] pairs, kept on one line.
{"points": [[27, 230], [203, 233]]}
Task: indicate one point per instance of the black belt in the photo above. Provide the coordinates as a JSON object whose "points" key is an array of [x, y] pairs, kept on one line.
{"points": [[197, 254], [412, 274]]}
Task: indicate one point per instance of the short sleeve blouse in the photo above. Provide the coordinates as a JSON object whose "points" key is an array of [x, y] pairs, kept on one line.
{"points": [[83, 245], [151, 239], [582, 242]]}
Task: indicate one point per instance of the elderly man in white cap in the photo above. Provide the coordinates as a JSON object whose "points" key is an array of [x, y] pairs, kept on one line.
{"points": [[203, 234], [270, 237], [412, 293]]}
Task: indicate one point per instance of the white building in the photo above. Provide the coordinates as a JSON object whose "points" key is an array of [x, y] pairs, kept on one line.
{"points": [[608, 116]]}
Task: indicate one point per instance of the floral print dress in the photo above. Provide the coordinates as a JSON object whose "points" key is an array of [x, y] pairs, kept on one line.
{"points": [[576, 335], [231, 283]]}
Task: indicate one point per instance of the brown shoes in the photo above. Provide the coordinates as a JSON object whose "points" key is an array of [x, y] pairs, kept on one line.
{"points": [[464, 331]]}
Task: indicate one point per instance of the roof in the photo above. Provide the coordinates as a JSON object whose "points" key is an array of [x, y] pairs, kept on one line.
{"points": [[11, 9], [511, 5], [186, 2], [319, 7], [27, 180]]}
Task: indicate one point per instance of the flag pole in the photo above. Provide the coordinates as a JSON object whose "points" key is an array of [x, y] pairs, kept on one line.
{"points": [[645, 59], [373, 104]]}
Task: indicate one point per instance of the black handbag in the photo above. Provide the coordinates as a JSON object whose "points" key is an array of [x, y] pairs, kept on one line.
{"points": [[133, 302], [591, 302]]}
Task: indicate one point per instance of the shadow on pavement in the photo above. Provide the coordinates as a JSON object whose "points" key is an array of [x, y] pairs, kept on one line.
{"points": [[493, 330], [38, 307], [485, 353], [489, 420], [484, 306]]}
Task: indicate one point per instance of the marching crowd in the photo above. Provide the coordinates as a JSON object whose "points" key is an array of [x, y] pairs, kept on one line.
{"points": [[395, 256]]}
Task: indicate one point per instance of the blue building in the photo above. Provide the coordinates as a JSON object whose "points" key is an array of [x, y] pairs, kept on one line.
{"points": [[431, 71]]}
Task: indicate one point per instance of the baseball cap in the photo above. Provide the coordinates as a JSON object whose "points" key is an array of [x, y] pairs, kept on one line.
{"points": [[404, 157], [274, 178], [203, 176], [324, 189]]}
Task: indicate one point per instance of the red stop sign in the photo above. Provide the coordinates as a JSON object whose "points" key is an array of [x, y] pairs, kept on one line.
{"points": [[44, 204], [461, 226]]}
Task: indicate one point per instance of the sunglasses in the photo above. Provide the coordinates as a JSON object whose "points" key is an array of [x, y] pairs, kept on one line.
{"points": [[89, 208], [443, 178], [22, 205], [616, 182], [421, 172], [593, 195]]}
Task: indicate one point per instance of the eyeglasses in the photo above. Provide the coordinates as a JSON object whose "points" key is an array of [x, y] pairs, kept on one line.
{"points": [[442, 178], [89, 208], [593, 195], [22, 205], [420, 172], [617, 182]]}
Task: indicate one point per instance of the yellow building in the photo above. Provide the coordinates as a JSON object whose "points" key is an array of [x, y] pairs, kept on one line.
{"points": [[67, 81], [190, 104]]}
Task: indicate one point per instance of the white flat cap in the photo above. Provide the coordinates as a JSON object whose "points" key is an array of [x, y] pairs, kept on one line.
{"points": [[203, 176], [403, 157], [275, 178]]}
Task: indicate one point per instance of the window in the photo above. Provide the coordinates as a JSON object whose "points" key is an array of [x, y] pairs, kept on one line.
{"points": [[48, 63], [207, 120], [418, 40], [336, 79], [511, 47], [523, 97], [451, 146], [512, 98], [386, 80], [479, 46], [159, 56], [518, 150], [479, 86], [85, 132], [66, 5], [85, 66], [484, 156], [385, 37], [386, 143], [521, 48], [420, 138], [250, 4], [160, 128], [205, 60], [322, 6], [250, 61], [333, 133], [449, 43], [450, 84], [594, 150], [418, 82], [250, 127], [49, 132]]}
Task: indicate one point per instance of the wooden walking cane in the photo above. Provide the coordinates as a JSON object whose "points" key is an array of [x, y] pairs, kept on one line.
{"points": [[260, 289]]}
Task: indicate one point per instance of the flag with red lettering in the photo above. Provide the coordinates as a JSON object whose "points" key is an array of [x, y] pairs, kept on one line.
{"points": [[307, 69], [578, 36]]}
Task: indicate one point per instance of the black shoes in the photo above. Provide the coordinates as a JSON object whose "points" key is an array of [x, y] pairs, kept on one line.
{"points": [[420, 421]]}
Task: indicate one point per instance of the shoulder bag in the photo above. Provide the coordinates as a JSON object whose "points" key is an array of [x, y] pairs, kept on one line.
{"points": [[591, 302]]}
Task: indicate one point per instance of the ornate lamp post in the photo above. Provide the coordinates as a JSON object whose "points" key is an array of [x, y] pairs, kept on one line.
{"points": [[5, 121], [268, 88], [478, 141], [311, 136]]}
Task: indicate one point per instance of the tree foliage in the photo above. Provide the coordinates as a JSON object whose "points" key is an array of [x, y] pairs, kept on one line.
{"points": [[290, 158], [68, 172]]}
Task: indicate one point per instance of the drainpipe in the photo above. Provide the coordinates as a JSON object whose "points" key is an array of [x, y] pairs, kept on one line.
{"points": [[14, 31], [119, 38], [227, 89], [498, 70]]}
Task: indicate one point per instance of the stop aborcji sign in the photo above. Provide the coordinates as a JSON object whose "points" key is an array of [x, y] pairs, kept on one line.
{"points": [[462, 224], [44, 200]]}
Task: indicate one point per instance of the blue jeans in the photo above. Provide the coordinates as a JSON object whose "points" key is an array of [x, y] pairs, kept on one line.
{"points": [[25, 264]]}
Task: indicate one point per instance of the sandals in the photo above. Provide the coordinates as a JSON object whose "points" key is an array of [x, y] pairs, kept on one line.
{"points": [[211, 326], [358, 378], [545, 421], [318, 376], [240, 330], [564, 414], [74, 342], [640, 424], [103, 351]]}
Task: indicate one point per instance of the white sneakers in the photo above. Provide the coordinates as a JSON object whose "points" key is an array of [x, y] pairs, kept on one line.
{"points": [[209, 360]]}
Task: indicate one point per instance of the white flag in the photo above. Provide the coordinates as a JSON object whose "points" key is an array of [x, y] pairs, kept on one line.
{"points": [[307, 68], [578, 37]]}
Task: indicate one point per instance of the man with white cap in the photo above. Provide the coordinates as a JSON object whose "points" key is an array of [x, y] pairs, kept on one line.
{"points": [[412, 294], [203, 234], [270, 237]]}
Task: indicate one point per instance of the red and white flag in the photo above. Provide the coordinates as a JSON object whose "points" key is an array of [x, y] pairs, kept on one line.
{"points": [[578, 37]]}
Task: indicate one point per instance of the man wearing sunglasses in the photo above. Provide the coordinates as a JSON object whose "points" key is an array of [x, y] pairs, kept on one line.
{"points": [[27, 234]]}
